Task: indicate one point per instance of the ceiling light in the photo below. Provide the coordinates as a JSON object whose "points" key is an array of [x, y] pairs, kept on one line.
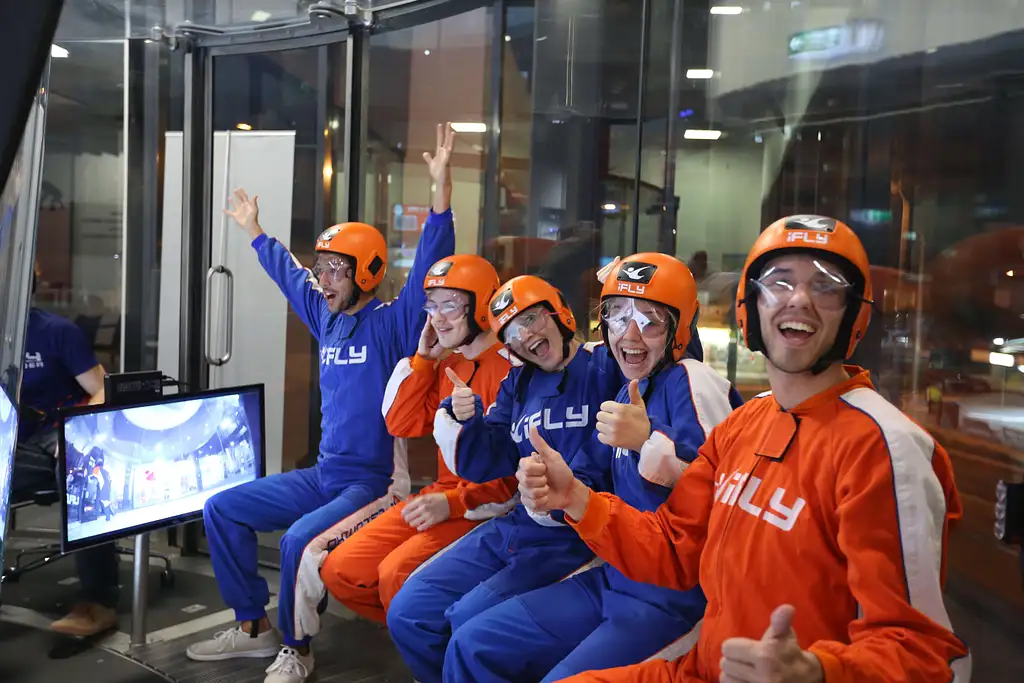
{"points": [[609, 207], [57, 52], [243, 126], [726, 9], [1009, 273], [697, 134], [469, 127], [998, 341], [508, 39], [699, 73], [260, 15], [426, 52], [1003, 359]]}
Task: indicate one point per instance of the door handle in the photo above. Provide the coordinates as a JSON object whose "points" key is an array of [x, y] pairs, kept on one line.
{"points": [[230, 314]]}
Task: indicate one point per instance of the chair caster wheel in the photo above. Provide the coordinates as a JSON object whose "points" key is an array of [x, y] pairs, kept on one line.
{"points": [[167, 578]]}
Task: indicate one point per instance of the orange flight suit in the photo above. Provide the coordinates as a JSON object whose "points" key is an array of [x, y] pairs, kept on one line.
{"points": [[365, 572], [839, 507]]}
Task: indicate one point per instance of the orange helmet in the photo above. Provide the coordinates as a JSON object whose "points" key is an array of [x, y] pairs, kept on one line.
{"points": [[662, 279], [360, 242], [468, 273], [833, 241], [522, 292]]}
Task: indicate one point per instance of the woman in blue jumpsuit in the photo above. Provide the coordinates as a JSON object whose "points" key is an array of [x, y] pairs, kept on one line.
{"points": [[558, 391], [599, 619]]}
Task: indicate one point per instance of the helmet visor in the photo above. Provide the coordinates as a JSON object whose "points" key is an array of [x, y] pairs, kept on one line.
{"points": [[651, 318], [826, 287]]}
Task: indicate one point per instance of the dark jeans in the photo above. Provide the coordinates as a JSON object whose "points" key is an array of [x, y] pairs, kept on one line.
{"points": [[35, 469]]}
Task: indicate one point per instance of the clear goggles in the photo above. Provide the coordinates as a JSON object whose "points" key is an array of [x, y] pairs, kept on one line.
{"points": [[334, 267], [449, 309], [827, 288], [617, 312], [527, 323]]}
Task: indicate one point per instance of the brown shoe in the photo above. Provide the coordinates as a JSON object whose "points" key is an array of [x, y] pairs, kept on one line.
{"points": [[86, 619]]}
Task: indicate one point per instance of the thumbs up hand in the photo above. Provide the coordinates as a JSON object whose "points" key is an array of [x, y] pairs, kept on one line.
{"points": [[625, 425], [776, 658], [545, 480], [463, 398]]}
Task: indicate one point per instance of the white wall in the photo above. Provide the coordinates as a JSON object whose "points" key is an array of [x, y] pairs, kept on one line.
{"points": [[92, 188]]}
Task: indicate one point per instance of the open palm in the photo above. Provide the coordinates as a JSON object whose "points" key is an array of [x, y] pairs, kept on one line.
{"points": [[438, 163], [244, 210]]}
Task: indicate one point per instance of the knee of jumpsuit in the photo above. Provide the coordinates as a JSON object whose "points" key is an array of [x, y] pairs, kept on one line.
{"points": [[419, 629], [353, 585], [476, 601], [479, 650]]}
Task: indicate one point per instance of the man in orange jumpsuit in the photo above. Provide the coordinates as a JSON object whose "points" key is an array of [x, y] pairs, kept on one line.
{"points": [[367, 570], [815, 516]]}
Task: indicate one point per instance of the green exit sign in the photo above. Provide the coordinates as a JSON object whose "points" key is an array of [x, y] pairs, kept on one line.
{"points": [[832, 42]]}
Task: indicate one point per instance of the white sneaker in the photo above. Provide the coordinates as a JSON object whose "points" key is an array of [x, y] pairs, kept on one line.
{"points": [[235, 643], [290, 666]]}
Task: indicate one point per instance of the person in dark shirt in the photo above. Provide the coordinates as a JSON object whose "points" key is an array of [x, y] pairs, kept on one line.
{"points": [[61, 370]]}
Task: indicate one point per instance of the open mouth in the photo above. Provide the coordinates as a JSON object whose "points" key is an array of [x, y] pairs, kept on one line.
{"points": [[634, 356], [797, 332], [539, 348], [330, 296]]}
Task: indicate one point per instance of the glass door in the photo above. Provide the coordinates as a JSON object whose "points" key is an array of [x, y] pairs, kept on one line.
{"points": [[268, 138], [270, 132]]}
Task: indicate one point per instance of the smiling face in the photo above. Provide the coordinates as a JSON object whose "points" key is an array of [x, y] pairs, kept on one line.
{"points": [[637, 333], [536, 338], [801, 302], [334, 273], [448, 309]]}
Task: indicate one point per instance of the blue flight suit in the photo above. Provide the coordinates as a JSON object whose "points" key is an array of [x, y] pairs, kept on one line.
{"points": [[516, 553], [357, 455], [599, 619]]}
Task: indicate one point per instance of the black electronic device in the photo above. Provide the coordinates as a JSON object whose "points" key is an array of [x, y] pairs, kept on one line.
{"points": [[132, 468], [133, 387]]}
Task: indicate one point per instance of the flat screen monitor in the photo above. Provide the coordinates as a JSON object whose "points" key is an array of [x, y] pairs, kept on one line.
{"points": [[8, 441], [129, 469]]}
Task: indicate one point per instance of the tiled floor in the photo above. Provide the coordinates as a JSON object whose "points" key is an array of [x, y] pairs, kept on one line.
{"points": [[358, 651]]}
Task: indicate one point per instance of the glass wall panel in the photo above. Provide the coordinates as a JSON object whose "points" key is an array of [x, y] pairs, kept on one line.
{"points": [[903, 120], [82, 201], [18, 199], [419, 77]]}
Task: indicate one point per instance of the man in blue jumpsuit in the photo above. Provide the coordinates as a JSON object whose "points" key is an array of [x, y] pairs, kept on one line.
{"points": [[61, 370], [361, 340], [600, 619], [558, 390]]}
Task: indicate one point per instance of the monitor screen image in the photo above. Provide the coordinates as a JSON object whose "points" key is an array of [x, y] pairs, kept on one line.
{"points": [[130, 469], [8, 440]]}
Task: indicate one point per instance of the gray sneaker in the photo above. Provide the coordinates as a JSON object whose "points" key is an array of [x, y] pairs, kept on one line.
{"points": [[235, 643]]}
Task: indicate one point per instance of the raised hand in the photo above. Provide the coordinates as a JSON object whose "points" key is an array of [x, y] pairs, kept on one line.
{"points": [[624, 425], [245, 212], [438, 165], [603, 274], [463, 398], [545, 480], [776, 658], [429, 346]]}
